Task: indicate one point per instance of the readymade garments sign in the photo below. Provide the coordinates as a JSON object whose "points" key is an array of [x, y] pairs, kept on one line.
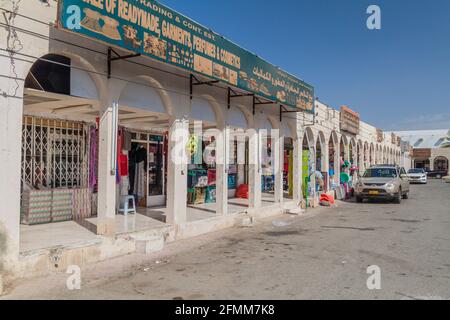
{"points": [[149, 28]]}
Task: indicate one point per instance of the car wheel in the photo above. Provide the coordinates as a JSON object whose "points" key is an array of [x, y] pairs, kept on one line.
{"points": [[406, 195], [398, 197], [359, 199]]}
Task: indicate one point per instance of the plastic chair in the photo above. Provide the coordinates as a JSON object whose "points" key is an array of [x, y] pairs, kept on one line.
{"points": [[125, 207]]}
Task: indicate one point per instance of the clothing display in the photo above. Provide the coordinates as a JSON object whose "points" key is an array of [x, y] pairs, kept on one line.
{"points": [[123, 165], [137, 166], [139, 180]]}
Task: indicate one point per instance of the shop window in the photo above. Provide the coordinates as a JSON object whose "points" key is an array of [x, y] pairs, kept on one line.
{"points": [[54, 153]]}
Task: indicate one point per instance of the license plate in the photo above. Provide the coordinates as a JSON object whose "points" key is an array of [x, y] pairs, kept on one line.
{"points": [[373, 192]]}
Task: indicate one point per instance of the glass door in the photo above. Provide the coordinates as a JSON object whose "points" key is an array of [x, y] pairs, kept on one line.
{"points": [[156, 169]]}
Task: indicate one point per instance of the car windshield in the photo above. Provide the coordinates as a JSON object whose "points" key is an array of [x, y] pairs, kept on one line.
{"points": [[380, 173], [415, 171]]}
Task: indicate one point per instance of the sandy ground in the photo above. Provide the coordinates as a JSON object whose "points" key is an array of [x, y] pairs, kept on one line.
{"points": [[321, 255]]}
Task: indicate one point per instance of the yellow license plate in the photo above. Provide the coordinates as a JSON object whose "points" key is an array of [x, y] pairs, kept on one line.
{"points": [[373, 192]]}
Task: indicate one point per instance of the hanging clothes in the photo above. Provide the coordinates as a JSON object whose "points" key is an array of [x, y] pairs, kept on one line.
{"points": [[137, 171], [139, 181]]}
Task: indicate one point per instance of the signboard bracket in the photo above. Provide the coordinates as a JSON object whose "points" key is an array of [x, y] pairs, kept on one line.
{"points": [[234, 94], [283, 110], [194, 81], [111, 51], [257, 101]]}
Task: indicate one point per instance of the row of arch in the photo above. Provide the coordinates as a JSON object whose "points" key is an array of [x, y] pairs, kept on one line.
{"points": [[147, 93], [330, 148]]}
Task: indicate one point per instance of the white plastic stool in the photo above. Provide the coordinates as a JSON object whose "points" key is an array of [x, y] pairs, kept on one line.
{"points": [[124, 206]]}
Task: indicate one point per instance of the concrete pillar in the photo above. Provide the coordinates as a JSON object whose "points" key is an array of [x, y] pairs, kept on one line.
{"points": [[240, 159], [222, 157], [297, 170], [177, 172], [106, 224], [11, 104], [326, 166], [254, 169], [337, 163], [278, 158]]}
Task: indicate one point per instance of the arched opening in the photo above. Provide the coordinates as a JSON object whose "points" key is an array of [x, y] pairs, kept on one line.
{"points": [[321, 175], [360, 155], [238, 174], [343, 153], [144, 122], [288, 160], [205, 130], [366, 155], [371, 154], [267, 161], [441, 165], [319, 155], [307, 163], [59, 153], [331, 158]]}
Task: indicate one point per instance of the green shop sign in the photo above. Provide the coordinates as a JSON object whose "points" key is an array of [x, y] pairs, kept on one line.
{"points": [[154, 30]]}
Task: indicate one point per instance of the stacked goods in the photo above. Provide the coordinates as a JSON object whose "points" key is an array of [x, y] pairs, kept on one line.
{"points": [[46, 206], [82, 204], [36, 207], [62, 205]]}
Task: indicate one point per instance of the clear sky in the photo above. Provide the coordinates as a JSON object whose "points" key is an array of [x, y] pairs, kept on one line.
{"points": [[397, 78]]}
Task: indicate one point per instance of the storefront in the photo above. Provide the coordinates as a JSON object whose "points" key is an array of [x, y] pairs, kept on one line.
{"points": [[110, 115]]}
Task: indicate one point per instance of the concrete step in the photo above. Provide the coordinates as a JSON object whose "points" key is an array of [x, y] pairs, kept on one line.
{"points": [[150, 244]]}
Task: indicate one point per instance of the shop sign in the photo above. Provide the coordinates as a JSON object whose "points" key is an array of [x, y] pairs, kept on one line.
{"points": [[152, 29], [349, 120], [422, 153]]}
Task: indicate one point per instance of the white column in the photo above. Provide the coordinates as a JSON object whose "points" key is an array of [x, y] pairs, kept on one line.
{"points": [[177, 172], [326, 165], [240, 158], [297, 170], [10, 169], [222, 156], [107, 161], [337, 163], [278, 150], [254, 194]]}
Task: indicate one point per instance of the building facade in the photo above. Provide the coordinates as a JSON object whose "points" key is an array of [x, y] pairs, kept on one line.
{"points": [[85, 135], [430, 149]]}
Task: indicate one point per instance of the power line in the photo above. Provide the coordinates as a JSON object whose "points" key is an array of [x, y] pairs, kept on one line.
{"points": [[105, 75], [102, 53]]}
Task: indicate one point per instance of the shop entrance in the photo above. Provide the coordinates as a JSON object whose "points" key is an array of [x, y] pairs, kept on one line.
{"points": [[441, 164], [147, 169], [422, 164], [288, 168]]}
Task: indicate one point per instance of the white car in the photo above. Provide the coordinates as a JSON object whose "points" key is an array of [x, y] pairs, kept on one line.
{"points": [[417, 176]]}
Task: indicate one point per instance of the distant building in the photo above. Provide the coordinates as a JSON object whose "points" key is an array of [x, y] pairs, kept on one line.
{"points": [[431, 148]]}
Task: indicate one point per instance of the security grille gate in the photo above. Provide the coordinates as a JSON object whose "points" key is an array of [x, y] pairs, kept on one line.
{"points": [[55, 153]]}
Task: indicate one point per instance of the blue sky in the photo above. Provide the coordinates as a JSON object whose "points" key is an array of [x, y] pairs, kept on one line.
{"points": [[398, 77]]}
